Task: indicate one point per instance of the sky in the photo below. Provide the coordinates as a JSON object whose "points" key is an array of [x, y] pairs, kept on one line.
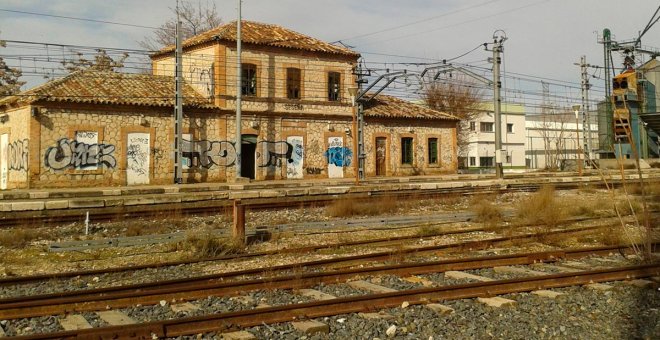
{"points": [[544, 37]]}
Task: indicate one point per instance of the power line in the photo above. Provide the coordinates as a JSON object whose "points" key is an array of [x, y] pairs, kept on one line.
{"points": [[76, 18]]}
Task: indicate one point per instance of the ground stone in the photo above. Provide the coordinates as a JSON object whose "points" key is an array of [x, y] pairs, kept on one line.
{"points": [[74, 322], [311, 327]]}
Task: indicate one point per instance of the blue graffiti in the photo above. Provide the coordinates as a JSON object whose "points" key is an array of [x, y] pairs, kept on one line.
{"points": [[339, 156]]}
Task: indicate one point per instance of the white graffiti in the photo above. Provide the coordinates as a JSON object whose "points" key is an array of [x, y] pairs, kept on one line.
{"points": [[78, 155]]}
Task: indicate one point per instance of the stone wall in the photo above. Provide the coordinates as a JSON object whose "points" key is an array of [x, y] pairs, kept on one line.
{"points": [[14, 156], [392, 131]]}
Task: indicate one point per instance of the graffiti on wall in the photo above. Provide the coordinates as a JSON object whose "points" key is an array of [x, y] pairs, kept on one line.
{"points": [[79, 155], [18, 155], [314, 171], [274, 153], [201, 74], [138, 155], [339, 156], [204, 153], [295, 167]]}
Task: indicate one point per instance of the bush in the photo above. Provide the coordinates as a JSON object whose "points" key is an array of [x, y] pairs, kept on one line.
{"points": [[487, 212], [542, 208], [206, 245], [18, 238]]}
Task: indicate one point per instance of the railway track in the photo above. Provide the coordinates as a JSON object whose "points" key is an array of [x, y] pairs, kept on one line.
{"points": [[212, 206], [221, 322], [477, 244]]}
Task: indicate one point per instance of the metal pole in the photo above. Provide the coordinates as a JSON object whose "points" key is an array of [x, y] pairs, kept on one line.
{"points": [[586, 130], [497, 102], [178, 110], [239, 73], [361, 155], [577, 144]]}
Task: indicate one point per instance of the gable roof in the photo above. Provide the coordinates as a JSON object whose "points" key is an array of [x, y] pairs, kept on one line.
{"points": [[263, 34], [107, 87], [384, 106]]}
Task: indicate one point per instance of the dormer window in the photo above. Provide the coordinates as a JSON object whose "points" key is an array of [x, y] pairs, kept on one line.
{"points": [[293, 83], [334, 89], [249, 80]]}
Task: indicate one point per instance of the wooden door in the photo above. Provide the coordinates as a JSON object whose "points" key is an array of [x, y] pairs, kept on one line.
{"points": [[381, 156]]}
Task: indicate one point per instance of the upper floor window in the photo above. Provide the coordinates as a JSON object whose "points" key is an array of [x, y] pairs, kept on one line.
{"points": [[487, 127], [406, 150], [473, 126], [509, 127], [249, 80], [334, 79], [293, 83]]}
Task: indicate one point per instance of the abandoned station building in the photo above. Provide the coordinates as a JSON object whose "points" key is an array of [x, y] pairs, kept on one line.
{"points": [[100, 128]]}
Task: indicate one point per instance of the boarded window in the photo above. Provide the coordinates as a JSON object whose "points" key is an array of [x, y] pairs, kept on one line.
{"points": [[249, 80], [406, 150], [433, 150], [293, 83], [334, 81]]}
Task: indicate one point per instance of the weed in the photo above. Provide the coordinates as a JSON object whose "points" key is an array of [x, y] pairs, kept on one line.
{"points": [[542, 208], [487, 212], [206, 245], [427, 231], [18, 238], [347, 207]]}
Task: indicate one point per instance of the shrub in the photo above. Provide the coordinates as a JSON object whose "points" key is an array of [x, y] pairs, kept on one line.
{"points": [[206, 245], [542, 208], [18, 238], [487, 212]]}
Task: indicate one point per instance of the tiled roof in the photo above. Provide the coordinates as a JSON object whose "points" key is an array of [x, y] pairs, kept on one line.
{"points": [[392, 107], [263, 34], [106, 87]]}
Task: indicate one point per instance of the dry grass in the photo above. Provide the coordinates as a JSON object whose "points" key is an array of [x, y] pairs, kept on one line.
{"points": [[18, 238], [487, 212], [139, 228], [542, 208], [427, 231], [205, 244], [347, 207]]}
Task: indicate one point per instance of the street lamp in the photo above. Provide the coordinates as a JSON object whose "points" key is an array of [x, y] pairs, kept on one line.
{"points": [[353, 91], [576, 109]]}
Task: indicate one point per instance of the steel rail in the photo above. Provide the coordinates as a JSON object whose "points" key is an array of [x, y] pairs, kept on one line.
{"points": [[385, 255], [119, 297], [364, 303], [31, 278]]}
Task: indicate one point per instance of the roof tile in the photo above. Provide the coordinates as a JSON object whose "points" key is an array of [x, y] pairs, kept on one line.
{"points": [[391, 107]]}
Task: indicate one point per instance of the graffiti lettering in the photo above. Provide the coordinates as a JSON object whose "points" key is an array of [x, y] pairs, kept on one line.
{"points": [[273, 153], [137, 157], [207, 153], [18, 155], [339, 156], [78, 155], [314, 171], [293, 107]]}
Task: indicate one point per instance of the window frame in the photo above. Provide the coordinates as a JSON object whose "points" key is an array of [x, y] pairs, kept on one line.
{"points": [[473, 126], [430, 149], [490, 160], [331, 82], [472, 161], [483, 125], [509, 128], [290, 83], [244, 80], [407, 150]]}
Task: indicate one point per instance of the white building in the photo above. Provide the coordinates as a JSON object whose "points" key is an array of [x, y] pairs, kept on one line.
{"points": [[552, 140], [480, 155]]}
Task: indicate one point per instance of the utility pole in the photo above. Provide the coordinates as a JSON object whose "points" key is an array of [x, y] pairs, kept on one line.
{"points": [[178, 110], [239, 74], [586, 126], [497, 102]]}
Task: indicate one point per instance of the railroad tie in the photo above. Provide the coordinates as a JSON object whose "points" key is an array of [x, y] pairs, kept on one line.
{"points": [[517, 271], [440, 309], [239, 335], [315, 294], [74, 322], [311, 327], [370, 287], [115, 318], [496, 301], [458, 275], [599, 286], [639, 283], [551, 294], [380, 315], [185, 307], [416, 279]]}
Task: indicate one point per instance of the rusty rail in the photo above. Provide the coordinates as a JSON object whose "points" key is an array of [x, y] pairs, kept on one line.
{"points": [[248, 318], [196, 288]]}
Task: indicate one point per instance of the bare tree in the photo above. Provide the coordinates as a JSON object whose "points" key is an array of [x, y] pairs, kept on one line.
{"points": [[195, 18], [459, 97], [552, 129], [9, 83], [101, 62]]}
